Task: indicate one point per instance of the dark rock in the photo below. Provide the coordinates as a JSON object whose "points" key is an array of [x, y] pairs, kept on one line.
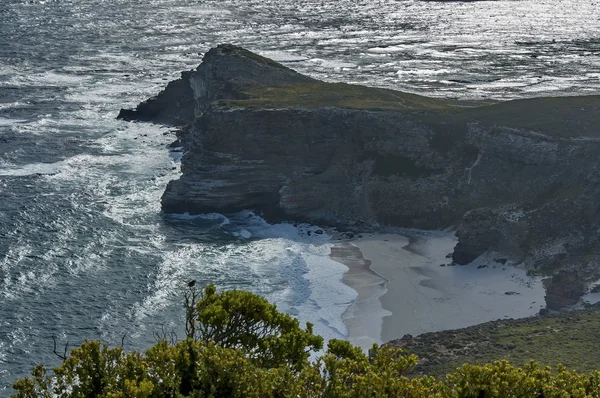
{"points": [[319, 232], [511, 293], [176, 144], [349, 235], [544, 312], [501, 260], [442, 265], [565, 289], [482, 266], [479, 231], [514, 177], [175, 105]]}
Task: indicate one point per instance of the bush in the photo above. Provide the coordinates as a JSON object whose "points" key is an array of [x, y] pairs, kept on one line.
{"points": [[250, 324], [239, 345]]}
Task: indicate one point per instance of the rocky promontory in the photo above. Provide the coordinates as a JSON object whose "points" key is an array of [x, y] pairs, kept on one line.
{"points": [[521, 178]]}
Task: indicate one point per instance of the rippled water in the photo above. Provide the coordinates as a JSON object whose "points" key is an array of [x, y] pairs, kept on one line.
{"points": [[84, 250]]}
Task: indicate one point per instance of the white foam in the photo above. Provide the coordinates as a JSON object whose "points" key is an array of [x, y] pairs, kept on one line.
{"points": [[287, 264], [207, 216], [332, 64], [317, 294], [9, 169], [282, 56], [9, 122]]}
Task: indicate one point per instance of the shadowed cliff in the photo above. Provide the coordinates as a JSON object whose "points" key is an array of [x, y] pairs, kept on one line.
{"points": [[520, 178]]}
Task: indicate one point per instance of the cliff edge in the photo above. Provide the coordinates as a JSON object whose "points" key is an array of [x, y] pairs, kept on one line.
{"points": [[519, 178]]}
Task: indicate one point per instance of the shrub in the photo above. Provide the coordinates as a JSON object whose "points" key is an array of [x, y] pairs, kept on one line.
{"points": [[239, 345], [250, 324]]}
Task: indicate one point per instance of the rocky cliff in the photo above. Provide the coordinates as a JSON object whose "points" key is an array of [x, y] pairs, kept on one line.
{"points": [[521, 178]]}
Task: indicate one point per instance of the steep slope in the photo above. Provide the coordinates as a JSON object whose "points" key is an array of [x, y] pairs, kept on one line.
{"points": [[564, 338], [520, 178]]}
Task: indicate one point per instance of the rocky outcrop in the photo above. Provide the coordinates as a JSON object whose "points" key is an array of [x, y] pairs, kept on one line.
{"points": [[565, 289], [521, 178], [174, 106], [224, 74]]}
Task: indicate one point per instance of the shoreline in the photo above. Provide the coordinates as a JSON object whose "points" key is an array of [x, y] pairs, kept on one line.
{"points": [[364, 317], [403, 289]]}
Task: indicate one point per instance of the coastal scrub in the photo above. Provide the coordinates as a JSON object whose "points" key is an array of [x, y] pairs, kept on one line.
{"points": [[241, 330]]}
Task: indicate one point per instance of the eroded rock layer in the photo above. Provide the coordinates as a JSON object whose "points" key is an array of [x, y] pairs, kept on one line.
{"points": [[521, 178]]}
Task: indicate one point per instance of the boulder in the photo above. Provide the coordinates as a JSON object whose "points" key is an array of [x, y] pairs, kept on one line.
{"points": [[565, 289]]}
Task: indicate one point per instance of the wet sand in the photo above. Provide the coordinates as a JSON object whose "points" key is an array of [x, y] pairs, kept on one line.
{"points": [[364, 317], [402, 289]]}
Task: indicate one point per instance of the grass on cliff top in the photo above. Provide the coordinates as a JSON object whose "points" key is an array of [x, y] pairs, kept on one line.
{"points": [[339, 95], [230, 49], [572, 339], [554, 116]]}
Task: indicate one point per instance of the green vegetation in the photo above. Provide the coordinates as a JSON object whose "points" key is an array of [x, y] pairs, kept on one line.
{"points": [[230, 49], [555, 116], [247, 323], [339, 95], [560, 117], [239, 345], [566, 338]]}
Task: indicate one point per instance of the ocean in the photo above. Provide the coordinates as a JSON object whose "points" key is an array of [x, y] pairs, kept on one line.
{"points": [[85, 251]]}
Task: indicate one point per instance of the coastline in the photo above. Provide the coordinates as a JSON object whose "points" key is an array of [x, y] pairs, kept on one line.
{"points": [[403, 289], [364, 317]]}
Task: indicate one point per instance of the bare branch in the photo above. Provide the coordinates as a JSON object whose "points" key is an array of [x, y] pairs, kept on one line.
{"points": [[173, 338], [62, 356], [162, 335]]}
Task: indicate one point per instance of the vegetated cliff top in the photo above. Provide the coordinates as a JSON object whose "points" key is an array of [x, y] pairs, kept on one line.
{"points": [[564, 117], [565, 338], [239, 78], [519, 178], [337, 95]]}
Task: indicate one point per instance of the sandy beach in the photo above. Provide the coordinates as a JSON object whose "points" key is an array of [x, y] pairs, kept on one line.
{"points": [[364, 317], [403, 289]]}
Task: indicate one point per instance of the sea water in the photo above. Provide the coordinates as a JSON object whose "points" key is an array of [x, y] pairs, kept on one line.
{"points": [[84, 249]]}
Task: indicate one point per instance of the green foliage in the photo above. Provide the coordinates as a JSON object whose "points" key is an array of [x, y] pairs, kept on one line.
{"points": [[249, 323], [565, 338], [553, 116], [348, 372], [242, 354], [339, 95]]}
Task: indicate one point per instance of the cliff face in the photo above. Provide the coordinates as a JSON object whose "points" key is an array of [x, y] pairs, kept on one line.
{"points": [[521, 178]]}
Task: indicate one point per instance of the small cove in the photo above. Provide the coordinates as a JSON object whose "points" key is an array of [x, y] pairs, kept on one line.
{"points": [[411, 293]]}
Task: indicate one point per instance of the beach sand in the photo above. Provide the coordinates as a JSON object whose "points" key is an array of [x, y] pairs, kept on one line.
{"points": [[364, 317], [402, 289]]}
